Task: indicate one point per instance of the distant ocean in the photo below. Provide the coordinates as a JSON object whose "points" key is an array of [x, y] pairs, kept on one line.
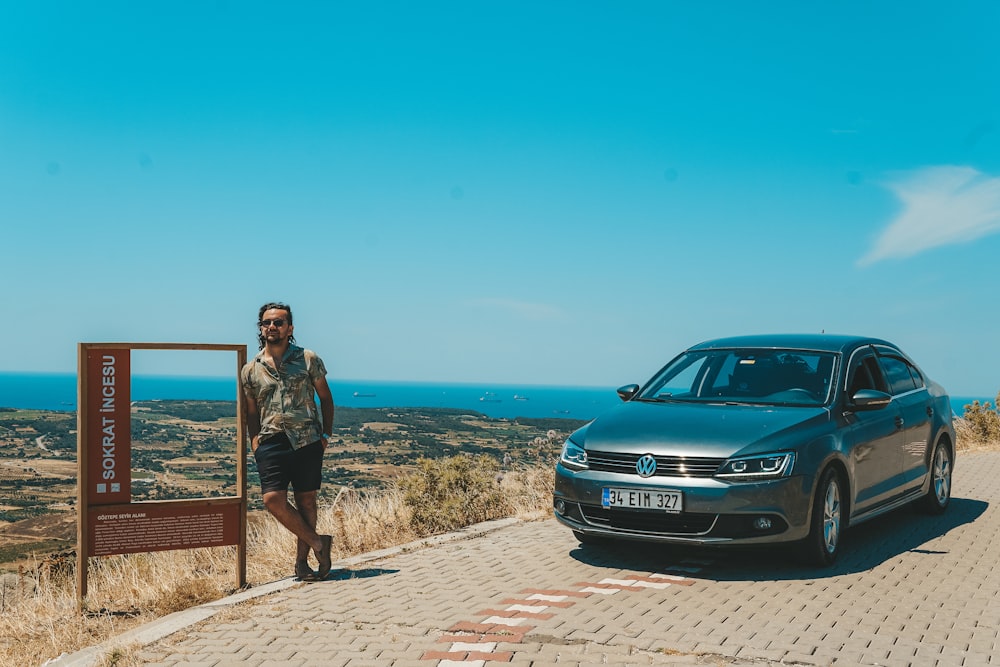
{"points": [[50, 391]]}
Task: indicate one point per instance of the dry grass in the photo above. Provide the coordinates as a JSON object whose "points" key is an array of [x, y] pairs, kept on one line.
{"points": [[980, 424], [39, 618], [971, 438]]}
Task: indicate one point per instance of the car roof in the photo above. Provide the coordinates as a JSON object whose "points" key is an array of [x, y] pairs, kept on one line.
{"points": [[822, 342]]}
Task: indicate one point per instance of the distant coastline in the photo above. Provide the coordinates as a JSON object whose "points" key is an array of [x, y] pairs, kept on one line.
{"points": [[57, 391]]}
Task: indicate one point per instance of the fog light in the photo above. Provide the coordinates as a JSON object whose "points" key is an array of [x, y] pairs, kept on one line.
{"points": [[561, 506], [762, 523]]}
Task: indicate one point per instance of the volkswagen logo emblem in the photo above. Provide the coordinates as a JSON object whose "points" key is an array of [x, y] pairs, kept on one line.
{"points": [[646, 465]]}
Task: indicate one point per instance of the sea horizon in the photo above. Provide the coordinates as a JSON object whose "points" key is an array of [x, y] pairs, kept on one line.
{"points": [[57, 392]]}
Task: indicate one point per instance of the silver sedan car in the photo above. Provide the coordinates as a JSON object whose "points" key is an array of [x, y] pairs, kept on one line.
{"points": [[761, 440]]}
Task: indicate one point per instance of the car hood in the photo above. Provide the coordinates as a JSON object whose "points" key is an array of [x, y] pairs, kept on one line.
{"points": [[699, 429]]}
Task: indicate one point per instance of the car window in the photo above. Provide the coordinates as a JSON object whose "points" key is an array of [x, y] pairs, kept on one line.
{"points": [[722, 377], [866, 374], [684, 379], [901, 375], [772, 377]]}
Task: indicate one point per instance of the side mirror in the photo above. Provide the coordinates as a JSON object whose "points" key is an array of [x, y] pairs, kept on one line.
{"points": [[628, 391], [870, 399]]}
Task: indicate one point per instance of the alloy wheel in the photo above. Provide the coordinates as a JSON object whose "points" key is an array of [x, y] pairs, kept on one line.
{"points": [[831, 516], [942, 475]]}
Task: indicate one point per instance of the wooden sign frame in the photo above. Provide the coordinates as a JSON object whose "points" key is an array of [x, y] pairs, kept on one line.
{"points": [[108, 522]]}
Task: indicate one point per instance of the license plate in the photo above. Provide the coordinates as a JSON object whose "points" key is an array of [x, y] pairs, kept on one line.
{"points": [[644, 499]]}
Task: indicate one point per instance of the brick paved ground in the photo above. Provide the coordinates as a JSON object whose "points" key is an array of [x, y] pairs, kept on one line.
{"points": [[907, 590]]}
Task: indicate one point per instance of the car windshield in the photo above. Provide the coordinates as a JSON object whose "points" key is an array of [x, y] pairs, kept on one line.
{"points": [[757, 376]]}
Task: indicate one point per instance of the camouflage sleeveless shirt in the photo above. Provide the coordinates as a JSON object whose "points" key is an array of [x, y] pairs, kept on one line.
{"points": [[286, 399]]}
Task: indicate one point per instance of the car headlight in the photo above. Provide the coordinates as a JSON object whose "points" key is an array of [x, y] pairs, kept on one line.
{"points": [[573, 456], [757, 468]]}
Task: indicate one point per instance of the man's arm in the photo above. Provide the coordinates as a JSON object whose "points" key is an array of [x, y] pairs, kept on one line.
{"points": [[325, 405], [253, 420]]}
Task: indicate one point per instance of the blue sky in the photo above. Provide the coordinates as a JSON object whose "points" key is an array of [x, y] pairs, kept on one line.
{"points": [[561, 193]]}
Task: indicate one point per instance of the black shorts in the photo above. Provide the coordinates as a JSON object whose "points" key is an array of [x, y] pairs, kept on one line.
{"points": [[279, 465]]}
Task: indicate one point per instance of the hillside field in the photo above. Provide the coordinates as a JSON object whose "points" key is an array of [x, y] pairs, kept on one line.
{"points": [[188, 449]]}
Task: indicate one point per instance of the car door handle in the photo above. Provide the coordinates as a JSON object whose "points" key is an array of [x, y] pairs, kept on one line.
{"points": [[899, 422], [930, 411]]}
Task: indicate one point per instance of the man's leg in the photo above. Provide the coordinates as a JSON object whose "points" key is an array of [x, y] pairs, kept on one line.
{"points": [[277, 504], [307, 474], [305, 502]]}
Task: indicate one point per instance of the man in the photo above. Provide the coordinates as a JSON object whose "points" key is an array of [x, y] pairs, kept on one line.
{"points": [[288, 435]]}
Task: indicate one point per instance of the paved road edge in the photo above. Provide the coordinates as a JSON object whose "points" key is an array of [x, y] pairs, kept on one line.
{"points": [[168, 625]]}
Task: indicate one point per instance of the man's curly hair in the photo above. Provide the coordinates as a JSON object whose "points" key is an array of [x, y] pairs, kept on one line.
{"points": [[260, 315]]}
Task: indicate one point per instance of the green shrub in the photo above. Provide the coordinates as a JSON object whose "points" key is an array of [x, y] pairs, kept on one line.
{"points": [[449, 493], [984, 420]]}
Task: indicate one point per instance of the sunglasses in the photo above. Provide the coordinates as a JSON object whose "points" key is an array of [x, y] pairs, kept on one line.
{"points": [[278, 322]]}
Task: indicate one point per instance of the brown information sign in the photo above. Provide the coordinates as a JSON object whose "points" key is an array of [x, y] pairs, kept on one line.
{"points": [[119, 529], [109, 458], [108, 522]]}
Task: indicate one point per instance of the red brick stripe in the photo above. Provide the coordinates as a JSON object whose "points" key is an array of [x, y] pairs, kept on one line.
{"points": [[543, 591], [540, 603], [504, 613], [499, 656], [467, 632]]}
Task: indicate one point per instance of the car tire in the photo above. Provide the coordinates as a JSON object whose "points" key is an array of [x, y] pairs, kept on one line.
{"points": [[826, 522], [938, 496]]}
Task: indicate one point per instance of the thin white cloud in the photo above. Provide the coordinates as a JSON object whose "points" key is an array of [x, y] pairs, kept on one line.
{"points": [[941, 206], [522, 309]]}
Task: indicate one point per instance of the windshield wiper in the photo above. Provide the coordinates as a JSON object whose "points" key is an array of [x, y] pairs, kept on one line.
{"points": [[664, 398], [730, 401]]}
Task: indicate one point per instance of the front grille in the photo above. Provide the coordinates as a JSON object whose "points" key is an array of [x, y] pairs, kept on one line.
{"points": [[644, 521], [666, 466]]}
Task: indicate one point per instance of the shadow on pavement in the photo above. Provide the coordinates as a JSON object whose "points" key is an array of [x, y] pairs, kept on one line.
{"points": [[863, 548], [366, 573]]}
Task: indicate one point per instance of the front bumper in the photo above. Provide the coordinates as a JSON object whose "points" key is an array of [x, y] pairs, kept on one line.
{"points": [[715, 512]]}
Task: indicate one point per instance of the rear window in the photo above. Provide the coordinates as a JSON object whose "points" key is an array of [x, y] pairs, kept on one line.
{"points": [[901, 376]]}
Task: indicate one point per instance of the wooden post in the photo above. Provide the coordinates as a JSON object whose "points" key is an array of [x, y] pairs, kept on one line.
{"points": [[241, 471], [82, 498]]}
